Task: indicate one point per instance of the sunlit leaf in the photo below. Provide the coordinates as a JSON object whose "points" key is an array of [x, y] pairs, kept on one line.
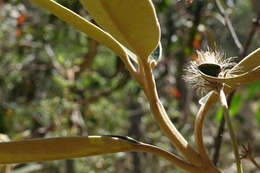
{"points": [[81, 24], [36, 150], [249, 63], [133, 22], [62, 148]]}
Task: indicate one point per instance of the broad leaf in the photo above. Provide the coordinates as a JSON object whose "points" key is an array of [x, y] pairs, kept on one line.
{"points": [[62, 148], [249, 63], [82, 24], [36, 150], [132, 22]]}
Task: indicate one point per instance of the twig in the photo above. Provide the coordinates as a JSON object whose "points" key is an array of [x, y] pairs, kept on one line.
{"points": [[247, 154], [218, 141], [52, 56], [255, 24], [224, 105], [219, 137], [229, 26]]}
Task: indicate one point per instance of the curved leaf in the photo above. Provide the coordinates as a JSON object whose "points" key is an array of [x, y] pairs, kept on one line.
{"points": [[36, 150], [82, 24], [249, 63], [132, 22], [62, 148]]}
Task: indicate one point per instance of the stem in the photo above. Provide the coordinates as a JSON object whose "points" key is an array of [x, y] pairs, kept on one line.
{"points": [[218, 141], [250, 36], [219, 137], [199, 126], [254, 162], [161, 116], [223, 102], [229, 26], [168, 156]]}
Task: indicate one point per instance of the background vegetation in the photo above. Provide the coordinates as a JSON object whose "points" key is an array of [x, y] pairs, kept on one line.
{"points": [[55, 81]]}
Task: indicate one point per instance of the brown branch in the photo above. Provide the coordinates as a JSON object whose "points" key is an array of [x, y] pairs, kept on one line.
{"points": [[247, 154], [218, 138], [229, 26], [218, 141], [255, 24]]}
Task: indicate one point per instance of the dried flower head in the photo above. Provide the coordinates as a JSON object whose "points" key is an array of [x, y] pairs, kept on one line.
{"points": [[210, 63]]}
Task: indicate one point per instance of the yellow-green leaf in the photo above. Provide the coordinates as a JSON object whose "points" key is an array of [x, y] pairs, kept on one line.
{"points": [[62, 148], [82, 24], [36, 150], [132, 22], [249, 63]]}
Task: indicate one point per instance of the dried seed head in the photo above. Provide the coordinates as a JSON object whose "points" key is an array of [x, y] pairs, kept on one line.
{"points": [[210, 63]]}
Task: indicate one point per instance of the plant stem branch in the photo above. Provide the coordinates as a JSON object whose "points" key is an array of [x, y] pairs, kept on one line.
{"points": [[161, 116], [199, 126], [221, 129], [218, 140], [251, 34], [167, 155], [254, 162], [229, 26], [224, 105]]}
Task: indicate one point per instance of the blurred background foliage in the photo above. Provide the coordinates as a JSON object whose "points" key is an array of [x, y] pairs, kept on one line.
{"points": [[55, 81]]}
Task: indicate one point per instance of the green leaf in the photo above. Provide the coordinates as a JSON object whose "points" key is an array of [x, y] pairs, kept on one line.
{"points": [[133, 23], [253, 90], [36, 150], [219, 114], [82, 25], [258, 114], [235, 105]]}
